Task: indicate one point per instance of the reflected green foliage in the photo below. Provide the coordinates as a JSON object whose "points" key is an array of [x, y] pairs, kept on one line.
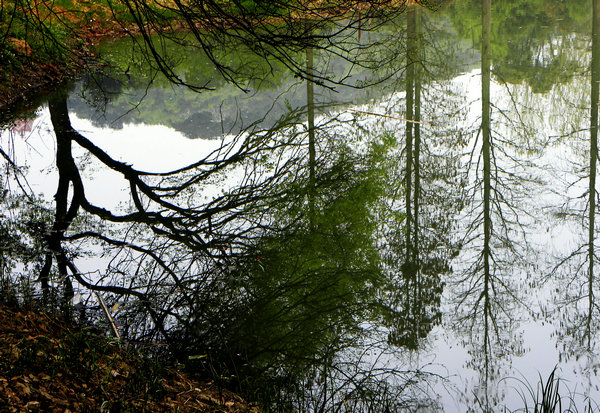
{"points": [[130, 91], [190, 62], [260, 8], [529, 39], [21, 246], [415, 308], [298, 297]]}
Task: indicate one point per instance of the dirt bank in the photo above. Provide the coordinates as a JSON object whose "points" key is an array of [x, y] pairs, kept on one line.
{"points": [[26, 72], [49, 365]]}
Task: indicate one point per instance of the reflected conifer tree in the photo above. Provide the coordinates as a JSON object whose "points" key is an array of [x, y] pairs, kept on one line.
{"points": [[419, 246], [486, 294], [310, 110], [578, 300], [593, 193], [494, 245], [414, 320]]}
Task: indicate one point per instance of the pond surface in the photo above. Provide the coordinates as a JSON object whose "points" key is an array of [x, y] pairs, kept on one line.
{"points": [[423, 242]]}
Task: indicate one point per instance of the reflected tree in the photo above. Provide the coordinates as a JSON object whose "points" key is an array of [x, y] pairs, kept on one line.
{"points": [[414, 320], [418, 243], [165, 204], [578, 300], [495, 248], [274, 30], [249, 281], [522, 51], [575, 300], [593, 193]]}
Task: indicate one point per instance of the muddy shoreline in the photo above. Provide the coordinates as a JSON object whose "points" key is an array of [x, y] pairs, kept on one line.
{"points": [[24, 90], [21, 91]]}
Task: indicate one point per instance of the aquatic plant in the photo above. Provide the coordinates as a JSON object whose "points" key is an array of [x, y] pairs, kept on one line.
{"points": [[549, 396]]}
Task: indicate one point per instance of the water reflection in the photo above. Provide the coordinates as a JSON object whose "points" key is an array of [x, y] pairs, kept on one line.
{"points": [[128, 91], [498, 265], [416, 258], [328, 256], [577, 304], [286, 253], [595, 69]]}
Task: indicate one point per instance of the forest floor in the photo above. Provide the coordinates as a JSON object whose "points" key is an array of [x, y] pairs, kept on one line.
{"points": [[52, 366]]}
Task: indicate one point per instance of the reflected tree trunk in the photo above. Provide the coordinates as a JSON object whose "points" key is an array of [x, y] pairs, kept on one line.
{"points": [[486, 154], [66, 210], [410, 266], [593, 156], [417, 166], [411, 61], [417, 133], [310, 105], [69, 180], [417, 256]]}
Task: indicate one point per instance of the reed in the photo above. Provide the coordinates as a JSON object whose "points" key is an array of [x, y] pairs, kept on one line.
{"points": [[551, 395]]}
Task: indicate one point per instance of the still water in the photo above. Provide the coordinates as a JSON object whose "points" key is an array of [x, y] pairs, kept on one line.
{"points": [[412, 236]]}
